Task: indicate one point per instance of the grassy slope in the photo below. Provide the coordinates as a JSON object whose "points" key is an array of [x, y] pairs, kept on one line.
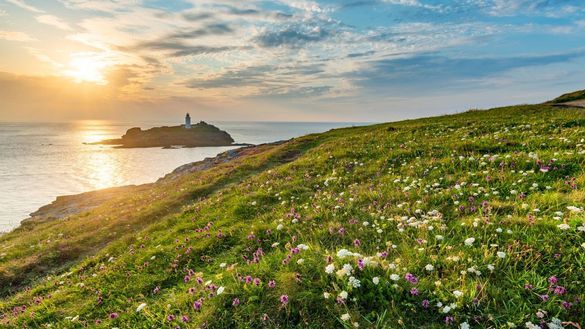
{"points": [[570, 97], [390, 188]]}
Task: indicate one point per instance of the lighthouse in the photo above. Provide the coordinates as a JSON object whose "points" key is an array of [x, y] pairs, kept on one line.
{"points": [[187, 121]]}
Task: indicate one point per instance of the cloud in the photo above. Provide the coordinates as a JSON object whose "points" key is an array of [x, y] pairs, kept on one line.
{"points": [[53, 21], [25, 6], [255, 75], [176, 48], [435, 72], [293, 37], [15, 36], [212, 29], [552, 8]]}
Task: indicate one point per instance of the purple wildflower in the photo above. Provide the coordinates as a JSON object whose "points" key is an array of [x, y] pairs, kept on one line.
{"points": [[411, 278], [284, 299]]}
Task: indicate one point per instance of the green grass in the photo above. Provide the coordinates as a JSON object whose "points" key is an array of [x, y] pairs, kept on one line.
{"points": [[569, 97], [398, 196]]}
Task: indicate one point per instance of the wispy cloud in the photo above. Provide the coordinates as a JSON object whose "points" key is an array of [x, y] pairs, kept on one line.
{"points": [[22, 4], [305, 51], [15, 36], [54, 21]]}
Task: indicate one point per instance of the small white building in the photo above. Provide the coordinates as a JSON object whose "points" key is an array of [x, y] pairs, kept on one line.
{"points": [[187, 121]]}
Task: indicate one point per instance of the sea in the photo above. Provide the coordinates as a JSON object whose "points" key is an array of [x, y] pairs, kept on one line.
{"points": [[40, 161]]}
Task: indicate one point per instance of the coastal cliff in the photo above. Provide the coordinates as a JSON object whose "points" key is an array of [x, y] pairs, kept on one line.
{"points": [[199, 135], [476, 216]]}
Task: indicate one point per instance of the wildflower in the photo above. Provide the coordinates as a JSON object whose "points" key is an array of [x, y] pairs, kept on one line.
{"points": [[560, 290], [457, 293], [184, 318], [114, 315], [235, 302], [429, 267], [344, 253], [501, 254], [553, 280], [197, 305], [376, 280], [564, 226], [411, 278], [469, 241], [170, 317], [464, 325], [354, 282], [343, 294], [414, 292], [425, 303], [347, 269], [345, 317], [271, 283], [303, 246], [394, 277], [284, 299], [574, 209], [326, 295], [140, 307], [329, 268], [220, 290]]}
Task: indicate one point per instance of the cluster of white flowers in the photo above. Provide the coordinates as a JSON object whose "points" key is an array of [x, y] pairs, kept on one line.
{"points": [[354, 282]]}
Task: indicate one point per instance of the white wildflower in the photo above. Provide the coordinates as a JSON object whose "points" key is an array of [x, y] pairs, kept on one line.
{"points": [[140, 307]]}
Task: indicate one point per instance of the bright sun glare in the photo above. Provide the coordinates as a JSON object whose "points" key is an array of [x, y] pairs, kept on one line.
{"points": [[87, 69]]}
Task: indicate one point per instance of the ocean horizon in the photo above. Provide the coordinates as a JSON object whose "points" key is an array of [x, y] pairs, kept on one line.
{"points": [[40, 161]]}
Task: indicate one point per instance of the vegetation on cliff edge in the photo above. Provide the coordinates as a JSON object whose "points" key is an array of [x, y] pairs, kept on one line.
{"points": [[468, 220]]}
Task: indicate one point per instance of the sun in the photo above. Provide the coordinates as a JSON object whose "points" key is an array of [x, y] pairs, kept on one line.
{"points": [[87, 69]]}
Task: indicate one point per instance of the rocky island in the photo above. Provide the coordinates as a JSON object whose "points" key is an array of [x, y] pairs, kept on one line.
{"points": [[187, 135]]}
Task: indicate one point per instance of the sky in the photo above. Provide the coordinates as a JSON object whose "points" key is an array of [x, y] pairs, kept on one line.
{"points": [[283, 60]]}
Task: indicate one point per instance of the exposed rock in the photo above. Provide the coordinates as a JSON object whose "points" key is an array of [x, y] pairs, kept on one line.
{"points": [[201, 134]]}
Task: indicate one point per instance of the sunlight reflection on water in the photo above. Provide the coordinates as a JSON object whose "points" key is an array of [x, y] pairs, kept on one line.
{"points": [[40, 161]]}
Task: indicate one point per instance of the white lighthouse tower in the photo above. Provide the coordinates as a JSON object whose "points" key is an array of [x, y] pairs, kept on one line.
{"points": [[187, 121]]}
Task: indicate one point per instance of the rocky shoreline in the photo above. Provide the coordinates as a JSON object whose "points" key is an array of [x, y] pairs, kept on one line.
{"points": [[70, 205]]}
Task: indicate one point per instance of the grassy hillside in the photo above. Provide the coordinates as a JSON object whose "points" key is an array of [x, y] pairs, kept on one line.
{"points": [[570, 97], [471, 219]]}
